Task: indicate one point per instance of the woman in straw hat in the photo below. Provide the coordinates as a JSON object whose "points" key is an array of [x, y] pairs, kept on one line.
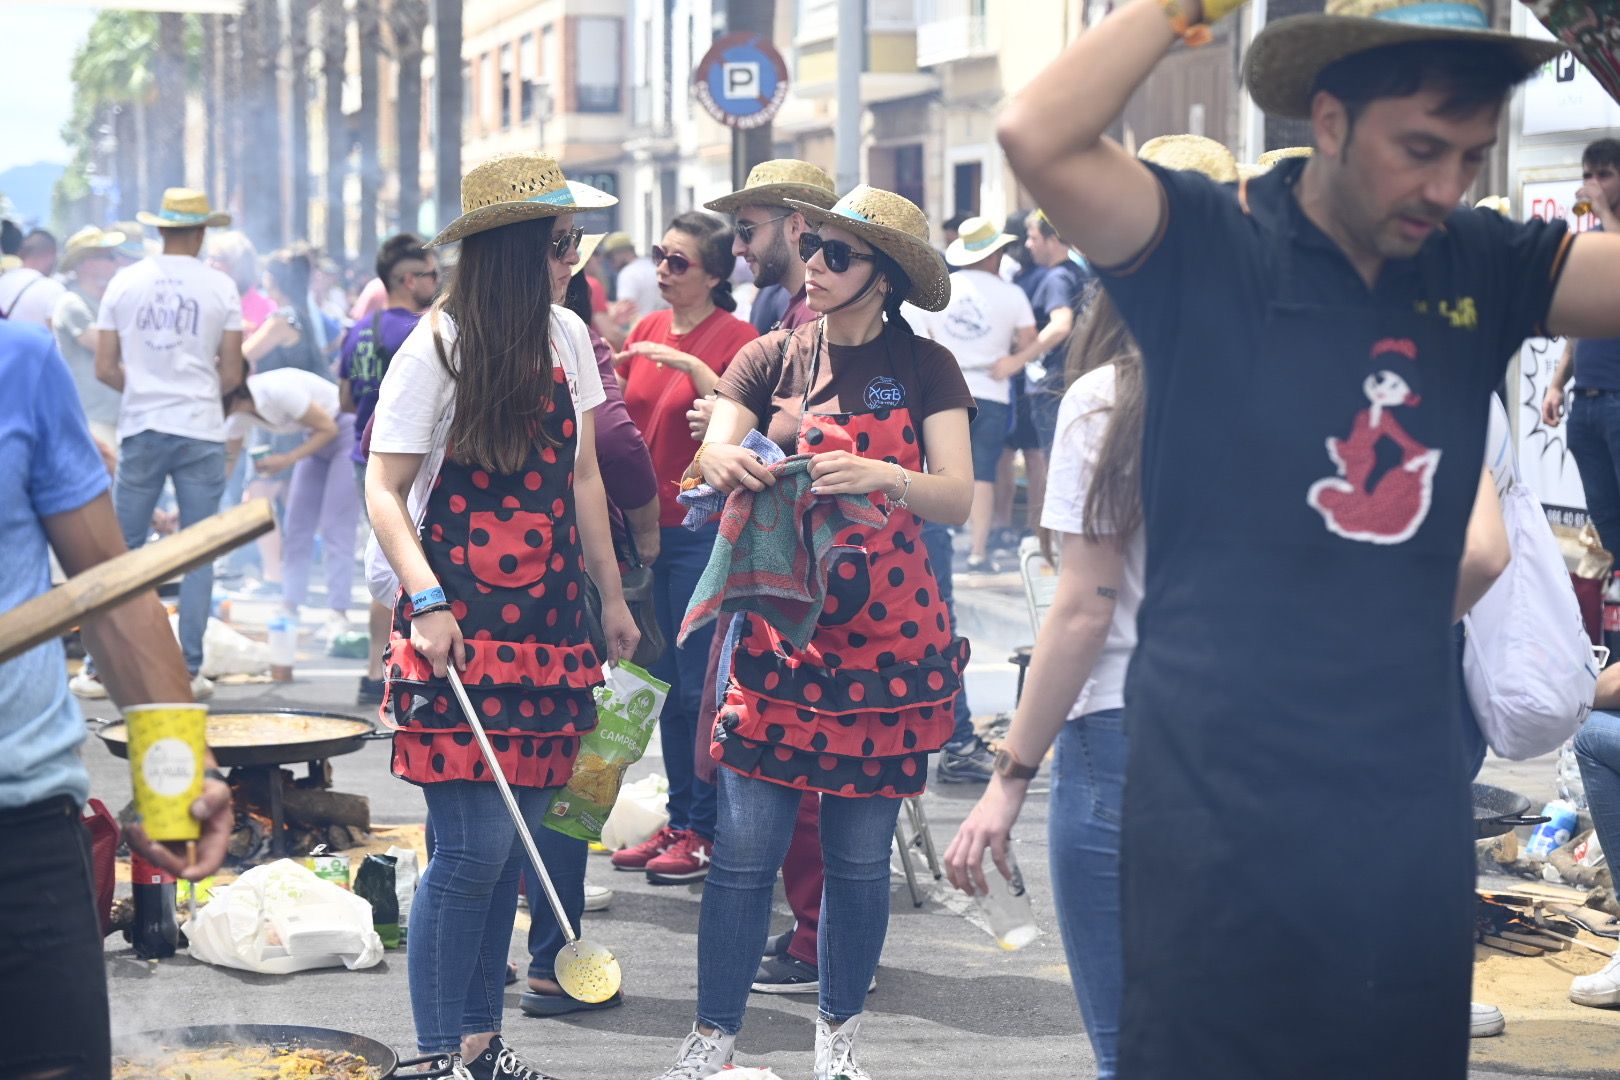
{"points": [[486, 499], [855, 713]]}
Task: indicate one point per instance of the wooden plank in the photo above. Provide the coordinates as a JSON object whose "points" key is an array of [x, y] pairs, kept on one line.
{"points": [[1512, 946], [106, 586], [1536, 939]]}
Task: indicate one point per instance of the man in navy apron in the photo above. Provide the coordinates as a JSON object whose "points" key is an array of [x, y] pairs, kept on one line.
{"points": [[1320, 344]]}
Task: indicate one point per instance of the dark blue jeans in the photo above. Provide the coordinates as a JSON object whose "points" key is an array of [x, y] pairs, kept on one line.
{"points": [[1088, 795], [675, 577], [461, 922], [755, 827], [1594, 442], [940, 556], [1597, 751]]}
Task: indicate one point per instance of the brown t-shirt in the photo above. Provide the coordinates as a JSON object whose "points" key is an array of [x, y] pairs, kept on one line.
{"points": [[893, 369]]}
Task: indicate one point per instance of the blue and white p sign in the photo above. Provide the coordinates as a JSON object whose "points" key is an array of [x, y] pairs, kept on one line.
{"points": [[741, 80]]}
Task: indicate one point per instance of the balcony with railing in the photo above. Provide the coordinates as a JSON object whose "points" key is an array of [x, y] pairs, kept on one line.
{"points": [[950, 30], [648, 119]]}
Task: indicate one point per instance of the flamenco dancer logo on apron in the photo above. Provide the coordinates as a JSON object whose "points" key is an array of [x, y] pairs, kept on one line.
{"points": [[1362, 503]]}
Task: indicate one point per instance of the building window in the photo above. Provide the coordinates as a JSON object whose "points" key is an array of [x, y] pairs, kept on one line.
{"points": [[966, 178], [468, 99], [908, 172], [598, 64], [503, 87], [526, 63]]}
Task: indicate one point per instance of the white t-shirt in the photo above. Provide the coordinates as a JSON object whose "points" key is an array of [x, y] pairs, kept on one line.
{"points": [[978, 327], [170, 312], [1499, 448], [1082, 423], [281, 398], [638, 281], [26, 295]]}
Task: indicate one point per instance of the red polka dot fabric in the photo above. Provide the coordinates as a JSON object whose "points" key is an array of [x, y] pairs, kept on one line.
{"points": [[506, 550]]}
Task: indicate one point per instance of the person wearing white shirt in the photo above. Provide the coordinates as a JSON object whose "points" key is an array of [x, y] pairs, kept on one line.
{"points": [[28, 293], [171, 342], [989, 327], [637, 278]]}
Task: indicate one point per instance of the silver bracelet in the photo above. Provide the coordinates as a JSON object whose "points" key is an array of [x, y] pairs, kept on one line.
{"points": [[904, 480]]}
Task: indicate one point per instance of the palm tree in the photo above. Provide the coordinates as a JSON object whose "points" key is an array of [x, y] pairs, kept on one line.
{"points": [[166, 108], [369, 25], [447, 102], [113, 78], [261, 173], [298, 12], [409, 20], [334, 46]]}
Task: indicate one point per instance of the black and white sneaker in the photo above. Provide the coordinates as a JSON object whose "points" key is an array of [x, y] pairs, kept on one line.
{"points": [[973, 764], [501, 1062], [778, 945], [786, 974]]}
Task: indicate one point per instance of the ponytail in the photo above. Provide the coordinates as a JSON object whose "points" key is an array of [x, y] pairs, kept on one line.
{"points": [[721, 296], [899, 289]]}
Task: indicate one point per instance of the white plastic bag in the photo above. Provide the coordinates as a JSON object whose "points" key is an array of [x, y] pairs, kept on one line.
{"points": [[642, 809], [226, 652], [281, 918]]}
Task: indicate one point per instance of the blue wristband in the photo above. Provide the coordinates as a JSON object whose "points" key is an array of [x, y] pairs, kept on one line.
{"points": [[426, 597]]}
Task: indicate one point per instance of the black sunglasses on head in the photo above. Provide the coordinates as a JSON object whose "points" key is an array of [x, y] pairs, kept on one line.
{"points": [[678, 263], [836, 253], [564, 242], [744, 230]]}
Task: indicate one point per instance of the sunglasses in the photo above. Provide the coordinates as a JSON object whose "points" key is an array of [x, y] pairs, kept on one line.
{"points": [[564, 242], [678, 263], [836, 253], [744, 230]]}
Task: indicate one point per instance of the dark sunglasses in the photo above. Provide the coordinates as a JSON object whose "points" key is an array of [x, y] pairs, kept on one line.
{"points": [[836, 253], [564, 242], [744, 230], [678, 263]]}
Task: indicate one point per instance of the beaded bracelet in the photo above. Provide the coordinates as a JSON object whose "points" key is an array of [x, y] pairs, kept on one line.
{"points": [[428, 597], [904, 481], [417, 612]]}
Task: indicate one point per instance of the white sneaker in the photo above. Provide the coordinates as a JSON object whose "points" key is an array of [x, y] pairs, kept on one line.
{"points": [[835, 1051], [202, 687], [701, 1056], [87, 686], [1484, 1021], [598, 898], [337, 624], [1599, 990]]}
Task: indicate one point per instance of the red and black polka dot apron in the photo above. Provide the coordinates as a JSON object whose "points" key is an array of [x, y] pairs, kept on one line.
{"points": [[857, 711], [506, 550]]}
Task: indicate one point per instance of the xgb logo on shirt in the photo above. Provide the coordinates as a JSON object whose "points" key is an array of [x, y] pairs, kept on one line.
{"points": [[884, 392]]}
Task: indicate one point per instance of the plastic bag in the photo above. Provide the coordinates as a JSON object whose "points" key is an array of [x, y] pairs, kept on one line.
{"points": [[226, 652], [642, 809], [627, 708], [405, 876], [280, 918], [374, 882]]}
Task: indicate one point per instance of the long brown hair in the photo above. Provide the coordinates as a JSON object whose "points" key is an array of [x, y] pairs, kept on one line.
{"points": [[1114, 495], [500, 298]]}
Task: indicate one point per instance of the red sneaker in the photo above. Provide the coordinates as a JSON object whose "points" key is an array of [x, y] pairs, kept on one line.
{"points": [[687, 861], [637, 858]]}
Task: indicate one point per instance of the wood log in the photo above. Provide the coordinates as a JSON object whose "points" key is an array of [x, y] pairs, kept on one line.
{"points": [[1514, 947], [1536, 939], [313, 808], [106, 586]]}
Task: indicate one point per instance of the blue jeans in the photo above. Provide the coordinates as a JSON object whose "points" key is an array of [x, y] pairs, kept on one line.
{"points": [[197, 468], [1594, 442], [1088, 795], [937, 538], [1597, 751], [755, 827], [466, 903], [675, 576]]}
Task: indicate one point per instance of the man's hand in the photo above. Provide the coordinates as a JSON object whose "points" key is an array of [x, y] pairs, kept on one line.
{"points": [[1552, 406], [213, 809], [1005, 368]]}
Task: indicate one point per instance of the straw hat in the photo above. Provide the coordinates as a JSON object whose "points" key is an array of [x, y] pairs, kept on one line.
{"points": [[1287, 56], [1499, 203], [772, 183], [509, 188], [1192, 153], [87, 241], [617, 241], [134, 245], [184, 208], [977, 239], [1271, 157], [895, 226], [9, 263], [587, 248]]}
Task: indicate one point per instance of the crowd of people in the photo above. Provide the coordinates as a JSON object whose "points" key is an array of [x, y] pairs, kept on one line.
{"points": [[1253, 645]]}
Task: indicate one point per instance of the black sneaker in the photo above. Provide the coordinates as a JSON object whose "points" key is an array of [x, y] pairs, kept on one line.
{"points": [[778, 945], [500, 1062], [785, 974], [974, 765], [371, 692]]}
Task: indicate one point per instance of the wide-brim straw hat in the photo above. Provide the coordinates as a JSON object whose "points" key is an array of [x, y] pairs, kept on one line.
{"points": [[87, 241], [895, 226], [773, 183], [1499, 203], [587, 248], [1283, 153], [509, 188], [976, 240], [1192, 153], [1287, 56], [184, 208], [134, 245]]}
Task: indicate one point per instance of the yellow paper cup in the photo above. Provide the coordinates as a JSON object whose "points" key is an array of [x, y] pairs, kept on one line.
{"points": [[167, 744]]}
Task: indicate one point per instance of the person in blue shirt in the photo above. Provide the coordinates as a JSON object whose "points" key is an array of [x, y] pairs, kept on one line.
{"points": [[54, 497]]}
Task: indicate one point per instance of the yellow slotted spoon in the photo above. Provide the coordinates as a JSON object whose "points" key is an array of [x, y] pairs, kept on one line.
{"points": [[587, 971]]}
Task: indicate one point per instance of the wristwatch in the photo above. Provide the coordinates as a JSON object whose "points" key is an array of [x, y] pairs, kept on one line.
{"points": [[1011, 768]]}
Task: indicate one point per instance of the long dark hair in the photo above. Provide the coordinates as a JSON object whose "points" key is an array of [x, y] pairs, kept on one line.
{"points": [[1114, 496], [899, 288], [714, 248], [290, 270], [503, 337]]}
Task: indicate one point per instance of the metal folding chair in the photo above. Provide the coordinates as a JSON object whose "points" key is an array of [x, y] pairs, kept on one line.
{"points": [[920, 840]]}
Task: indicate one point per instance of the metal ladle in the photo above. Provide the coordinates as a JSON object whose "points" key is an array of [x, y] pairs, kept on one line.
{"points": [[585, 970]]}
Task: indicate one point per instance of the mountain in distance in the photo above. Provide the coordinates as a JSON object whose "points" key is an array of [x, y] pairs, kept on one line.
{"points": [[28, 187]]}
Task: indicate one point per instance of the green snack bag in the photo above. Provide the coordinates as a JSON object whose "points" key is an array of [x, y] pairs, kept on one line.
{"points": [[375, 883], [627, 709]]}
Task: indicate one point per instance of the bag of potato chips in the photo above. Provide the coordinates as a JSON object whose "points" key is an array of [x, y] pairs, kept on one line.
{"points": [[627, 709]]}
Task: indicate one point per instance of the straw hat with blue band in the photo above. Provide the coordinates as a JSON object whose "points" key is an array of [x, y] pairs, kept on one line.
{"points": [[184, 208], [88, 241], [772, 183], [509, 188], [895, 226], [134, 246], [1287, 56], [978, 238]]}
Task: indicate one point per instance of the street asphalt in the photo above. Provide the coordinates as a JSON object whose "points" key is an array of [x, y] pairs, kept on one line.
{"points": [[949, 1001]]}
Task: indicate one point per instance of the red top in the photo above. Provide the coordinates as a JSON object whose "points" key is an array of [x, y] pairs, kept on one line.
{"points": [[658, 397], [598, 295]]}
